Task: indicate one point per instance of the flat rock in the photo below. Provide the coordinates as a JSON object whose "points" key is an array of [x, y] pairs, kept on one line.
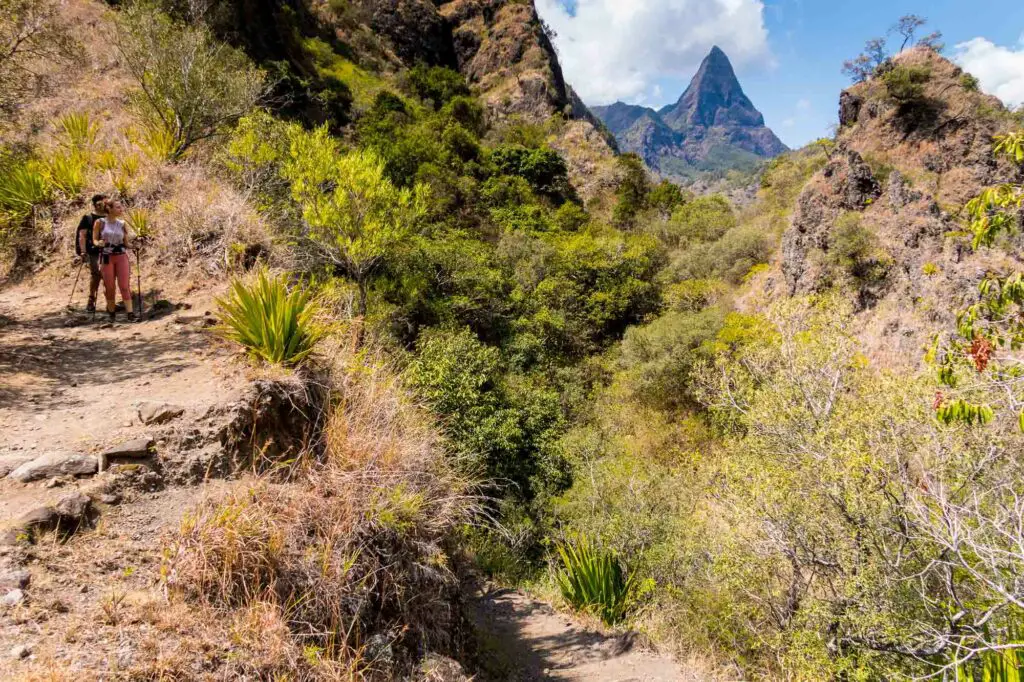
{"points": [[13, 598], [55, 464], [40, 517], [140, 448], [10, 580], [158, 413]]}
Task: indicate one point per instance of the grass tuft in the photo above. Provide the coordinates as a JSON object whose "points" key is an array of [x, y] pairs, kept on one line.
{"points": [[592, 579]]}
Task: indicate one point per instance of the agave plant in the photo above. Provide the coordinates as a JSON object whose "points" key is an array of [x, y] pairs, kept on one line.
{"points": [[1005, 664], [22, 188], [141, 222], [66, 172], [275, 325], [592, 579], [78, 130]]}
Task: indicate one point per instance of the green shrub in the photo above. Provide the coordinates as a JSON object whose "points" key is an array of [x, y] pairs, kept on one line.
{"points": [[633, 190], [274, 324], [22, 189], [592, 579], [905, 84], [78, 130], [436, 84], [853, 249], [66, 172], [543, 168], [189, 100], [705, 219], [969, 83]]}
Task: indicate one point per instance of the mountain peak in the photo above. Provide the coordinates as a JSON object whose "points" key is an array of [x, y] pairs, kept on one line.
{"points": [[714, 98]]}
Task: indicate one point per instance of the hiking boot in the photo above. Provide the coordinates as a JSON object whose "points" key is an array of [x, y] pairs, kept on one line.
{"points": [[113, 316], [90, 307]]}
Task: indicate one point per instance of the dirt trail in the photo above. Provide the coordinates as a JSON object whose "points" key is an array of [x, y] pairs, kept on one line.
{"points": [[526, 640], [71, 382]]}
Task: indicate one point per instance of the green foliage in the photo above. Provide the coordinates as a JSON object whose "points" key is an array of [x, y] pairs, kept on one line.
{"points": [[436, 84], [633, 189], [969, 83], [78, 130], [592, 579], [853, 249], [543, 168], [905, 84], [992, 213], [274, 324], [23, 188], [705, 219], [184, 100], [729, 258], [355, 215], [65, 172], [666, 197]]}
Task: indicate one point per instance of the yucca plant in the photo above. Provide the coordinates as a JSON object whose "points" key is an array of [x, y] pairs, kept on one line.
{"points": [[275, 325], [156, 142], [66, 172], [78, 130], [22, 188], [592, 579], [999, 665], [107, 160], [141, 222]]}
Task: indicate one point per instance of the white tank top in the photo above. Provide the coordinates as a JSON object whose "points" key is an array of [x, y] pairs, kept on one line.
{"points": [[113, 232]]}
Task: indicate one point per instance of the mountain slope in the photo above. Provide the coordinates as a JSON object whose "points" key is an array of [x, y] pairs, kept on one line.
{"points": [[712, 127]]}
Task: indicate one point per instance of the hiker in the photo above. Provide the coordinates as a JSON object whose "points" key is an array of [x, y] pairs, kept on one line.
{"points": [[111, 234], [88, 251]]}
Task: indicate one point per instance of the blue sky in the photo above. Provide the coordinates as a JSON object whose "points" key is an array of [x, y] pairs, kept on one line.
{"points": [[788, 53]]}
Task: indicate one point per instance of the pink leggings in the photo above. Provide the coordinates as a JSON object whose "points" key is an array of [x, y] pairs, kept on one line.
{"points": [[117, 271]]}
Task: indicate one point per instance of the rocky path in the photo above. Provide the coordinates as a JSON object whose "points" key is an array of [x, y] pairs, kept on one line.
{"points": [[72, 387], [525, 640]]}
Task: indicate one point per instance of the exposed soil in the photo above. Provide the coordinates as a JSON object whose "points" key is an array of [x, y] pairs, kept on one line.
{"points": [[525, 640]]}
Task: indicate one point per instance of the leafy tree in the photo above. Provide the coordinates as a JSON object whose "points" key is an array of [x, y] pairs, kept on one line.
{"points": [[543, 168], [31, 33], [191, 86], [993, 212], [436, 84], [355, 215], [704, 219], [666, 197], [634, 188]]}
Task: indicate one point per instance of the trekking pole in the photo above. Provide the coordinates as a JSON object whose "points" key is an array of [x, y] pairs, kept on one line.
{"points": [[138, 279], [75, 287]]}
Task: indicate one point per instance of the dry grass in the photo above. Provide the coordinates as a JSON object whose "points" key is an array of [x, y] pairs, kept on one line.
{"points": [[351, 562]]}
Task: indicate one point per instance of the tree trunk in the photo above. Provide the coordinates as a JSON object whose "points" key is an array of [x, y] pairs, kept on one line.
{"points": [[360, 320]]}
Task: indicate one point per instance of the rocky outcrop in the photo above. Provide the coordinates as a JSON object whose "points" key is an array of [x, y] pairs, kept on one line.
{"points": [[903, 177], [713, 126], [502, 49]]}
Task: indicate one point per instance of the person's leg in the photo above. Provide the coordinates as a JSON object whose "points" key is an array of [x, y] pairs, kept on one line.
{"points": [[95, 277], [122, 267], [107, 270]]}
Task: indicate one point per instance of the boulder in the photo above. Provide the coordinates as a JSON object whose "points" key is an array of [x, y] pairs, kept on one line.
{"points": [[55, 464], [40, 517], [159, 413], [140, 448]]}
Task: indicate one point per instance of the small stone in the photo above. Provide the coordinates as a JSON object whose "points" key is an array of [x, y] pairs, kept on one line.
{"points": [[13, 598], [54, 482], [73, 507], [110, 498], [140, 448], [20, 652], [159, 413], [84, 589], [126, 424]]}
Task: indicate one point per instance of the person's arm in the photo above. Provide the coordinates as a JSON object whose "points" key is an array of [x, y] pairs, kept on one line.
{"points": [[80, 240], [128, 237], [97, 229]]}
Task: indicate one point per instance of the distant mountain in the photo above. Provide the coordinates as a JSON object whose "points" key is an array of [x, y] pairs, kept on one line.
{"points": [[713, 127]]}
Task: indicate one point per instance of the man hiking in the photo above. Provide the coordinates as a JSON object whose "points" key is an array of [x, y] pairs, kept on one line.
{"points": [[88, 251]]}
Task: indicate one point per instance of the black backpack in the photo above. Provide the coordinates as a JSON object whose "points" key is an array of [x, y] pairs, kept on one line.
{"points": [[85, 225]]}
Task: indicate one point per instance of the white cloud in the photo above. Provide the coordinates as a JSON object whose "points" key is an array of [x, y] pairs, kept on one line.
{"points": [[999, 69], [616, 49]]}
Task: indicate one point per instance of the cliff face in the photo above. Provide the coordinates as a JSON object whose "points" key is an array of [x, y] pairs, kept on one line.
{"points": [[713, 126], [898, 179], [501, 48]]}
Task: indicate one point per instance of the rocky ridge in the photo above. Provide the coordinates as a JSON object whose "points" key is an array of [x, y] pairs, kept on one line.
{"points": [[899, 177]]}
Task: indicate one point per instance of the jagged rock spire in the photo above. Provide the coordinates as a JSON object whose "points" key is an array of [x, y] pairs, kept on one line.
{"points": [[714, 98]]}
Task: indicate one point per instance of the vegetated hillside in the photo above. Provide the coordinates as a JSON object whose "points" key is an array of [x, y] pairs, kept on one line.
{"points": [[713, 128], [815, 461]]}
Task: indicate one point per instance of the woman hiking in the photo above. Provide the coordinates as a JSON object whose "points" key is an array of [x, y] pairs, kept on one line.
{"points": [[111, 234]]}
